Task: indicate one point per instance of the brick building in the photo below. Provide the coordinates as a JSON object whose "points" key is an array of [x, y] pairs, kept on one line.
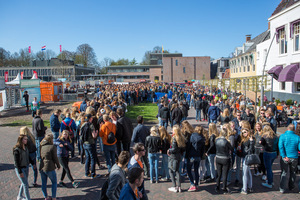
{"points": [[181, 69]]}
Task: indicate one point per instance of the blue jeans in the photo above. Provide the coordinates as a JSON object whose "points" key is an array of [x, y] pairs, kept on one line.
{"points": [[153, 157], [207, 173], [198, 115], [212, 121], [159, 121], [164, 170], [55, 135], [238, 167], [268, 161], [109, 153], [52, 177], [90, 159], [190, 163], [211, 160], [38, 149], [24, 188], [35, 171], [100, 144], [164, 123], [247, 176], [231, 168]]}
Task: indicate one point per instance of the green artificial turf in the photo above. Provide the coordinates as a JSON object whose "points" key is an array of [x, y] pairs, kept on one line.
{"points": [[147, 110]]}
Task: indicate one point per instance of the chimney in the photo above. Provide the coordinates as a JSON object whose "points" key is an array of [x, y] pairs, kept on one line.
{"points": [[268, 25], [248, 38]]}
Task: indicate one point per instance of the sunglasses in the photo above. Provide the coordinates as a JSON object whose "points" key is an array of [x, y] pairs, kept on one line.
{"points": [[141, 150], [238, 115], [262, 113], [244, 132]]}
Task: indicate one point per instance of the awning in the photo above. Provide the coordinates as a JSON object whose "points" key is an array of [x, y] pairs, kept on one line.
{"points": [[275, 71], [297, 76], [288, 73]]}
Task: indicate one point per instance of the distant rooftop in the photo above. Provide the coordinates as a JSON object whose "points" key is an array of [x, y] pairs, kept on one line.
{"points": [[284, 4]]}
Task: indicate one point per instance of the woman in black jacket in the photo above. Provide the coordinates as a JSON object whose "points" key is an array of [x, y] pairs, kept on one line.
{"points": [[247, 147], [223, 152], [175, 155], [32, 152], [176, 114], [211, 152], [165, 145], [194, 153], [259, 150], [153, 145], [21, 158], [225, 117]]}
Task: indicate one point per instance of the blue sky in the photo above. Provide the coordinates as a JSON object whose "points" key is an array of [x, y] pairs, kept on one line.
{"points": [[128, 28]]}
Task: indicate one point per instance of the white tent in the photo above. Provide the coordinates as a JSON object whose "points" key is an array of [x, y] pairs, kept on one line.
{"points": [[16, 81], [34, 76]]}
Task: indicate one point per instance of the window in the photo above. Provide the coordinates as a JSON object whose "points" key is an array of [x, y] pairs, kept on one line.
{"points": [[176, 62], [283, 86], [248, 68], [253, 67], [244, 68], [240, 69], [296, 36], [298, 87], [184, 70], [282, 41]]}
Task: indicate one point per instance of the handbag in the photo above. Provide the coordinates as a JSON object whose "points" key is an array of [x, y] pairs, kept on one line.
{"points": [[252, 159]]}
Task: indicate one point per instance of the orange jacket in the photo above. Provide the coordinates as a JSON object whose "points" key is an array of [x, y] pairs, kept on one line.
{"points": [[105, 130]]}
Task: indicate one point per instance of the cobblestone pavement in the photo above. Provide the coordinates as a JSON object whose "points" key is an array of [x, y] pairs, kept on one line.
{"points": [[90, 189]]}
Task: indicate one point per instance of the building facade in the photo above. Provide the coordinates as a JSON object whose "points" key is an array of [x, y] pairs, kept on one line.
{"points": [[50, 70], [283, 60], [182, 69]]}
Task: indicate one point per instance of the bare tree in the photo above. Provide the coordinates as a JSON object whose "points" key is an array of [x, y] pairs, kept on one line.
{"points": [[24, 57], [4, 57], [88, 55]]}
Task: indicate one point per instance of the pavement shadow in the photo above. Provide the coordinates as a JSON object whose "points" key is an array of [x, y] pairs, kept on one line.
{"points": [[4, 166]]}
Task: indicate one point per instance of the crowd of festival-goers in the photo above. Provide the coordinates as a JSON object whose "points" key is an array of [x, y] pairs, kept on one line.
{"points": [[237, 139]]}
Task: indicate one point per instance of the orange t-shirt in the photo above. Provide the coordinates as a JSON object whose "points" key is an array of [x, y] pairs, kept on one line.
{"points": [[105, 130], [280, 108], [140, 164]]}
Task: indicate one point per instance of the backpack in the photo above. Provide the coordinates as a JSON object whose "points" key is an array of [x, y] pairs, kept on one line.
{"points": [[69, 128], [110, 137]]}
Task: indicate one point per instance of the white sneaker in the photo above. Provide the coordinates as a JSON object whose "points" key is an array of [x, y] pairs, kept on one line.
{"points": [[267, 185], [258, 174], [264, 177], [173, 189]]}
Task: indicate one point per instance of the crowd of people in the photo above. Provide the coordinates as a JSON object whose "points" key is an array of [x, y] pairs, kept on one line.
{"points": [[237, 138]]}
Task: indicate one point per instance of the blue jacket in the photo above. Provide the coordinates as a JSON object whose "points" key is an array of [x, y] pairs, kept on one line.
{"points": [[62, 151], [54, 123], [213, 112], [67, 121], [289, 144], [83, 106], [140, 132], [127, 193]]}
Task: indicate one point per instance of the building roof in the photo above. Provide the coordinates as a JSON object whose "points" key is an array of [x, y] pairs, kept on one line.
{"points": [[255, 41], [284, 4]]}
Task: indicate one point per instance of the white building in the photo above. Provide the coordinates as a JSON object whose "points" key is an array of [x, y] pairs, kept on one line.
{"points": [[283, 61]]}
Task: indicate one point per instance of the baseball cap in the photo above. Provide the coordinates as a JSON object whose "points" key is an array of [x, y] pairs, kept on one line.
{"points": [[87, 117], [102, 111]]}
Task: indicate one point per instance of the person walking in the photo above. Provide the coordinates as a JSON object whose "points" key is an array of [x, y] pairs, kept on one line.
{"points": [[289, 145], [69, 125], [198, 108], [63, 146], [164, 114], [211, 152], [26, 99], [32, 152], [213, 112], [35, 105], [21, 158], [124, 132], [117, 176], [140, 133], [223, 152], [194, 152], [175, 154], [259, 150], [38, 130], [153, 146], [49, 162], [55, 124]]}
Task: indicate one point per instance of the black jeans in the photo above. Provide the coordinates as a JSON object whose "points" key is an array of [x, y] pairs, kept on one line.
{"points": [[126, 147], [172, 175], [261, 167], [64, 162], [223, 165], [285, 166]]}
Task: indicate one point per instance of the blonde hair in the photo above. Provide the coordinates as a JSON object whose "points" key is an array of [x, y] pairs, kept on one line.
{"points": [[90, 110], [229, 130], [187, 128], [226, 112], [164, 134], [178, 136], [243, 138], [268, 132], [212, 130], [25, 131], [61, 137], [245, 124], [261, 129], [154, 131], [107, 109], [199, 130]]}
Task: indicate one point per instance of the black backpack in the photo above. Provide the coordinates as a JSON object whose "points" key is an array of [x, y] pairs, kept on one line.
{"points": [[111, 137]]}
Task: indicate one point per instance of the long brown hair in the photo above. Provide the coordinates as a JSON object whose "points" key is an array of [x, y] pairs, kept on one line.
{"points": [[199, 130], [25, 131], [243, 138], [178, 136], [212, 130], [268, 132], [19, 142], [62, 138], [226, 113], [48, 137], [187, 128], [261, 129], [164, 134]]}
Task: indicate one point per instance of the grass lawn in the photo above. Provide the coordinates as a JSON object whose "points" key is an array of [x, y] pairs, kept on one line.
{"points": [[147, 110], [25, 123]]}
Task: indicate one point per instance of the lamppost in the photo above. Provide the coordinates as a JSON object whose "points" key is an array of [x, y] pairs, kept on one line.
{"points": [[263, 74]]}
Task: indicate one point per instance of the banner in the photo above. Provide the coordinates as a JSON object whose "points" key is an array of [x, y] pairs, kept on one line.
{"points": [[29, 83], [22, 73], [29, 49], [6, 76], [32, 92], [59, 48], [3, 103]]}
